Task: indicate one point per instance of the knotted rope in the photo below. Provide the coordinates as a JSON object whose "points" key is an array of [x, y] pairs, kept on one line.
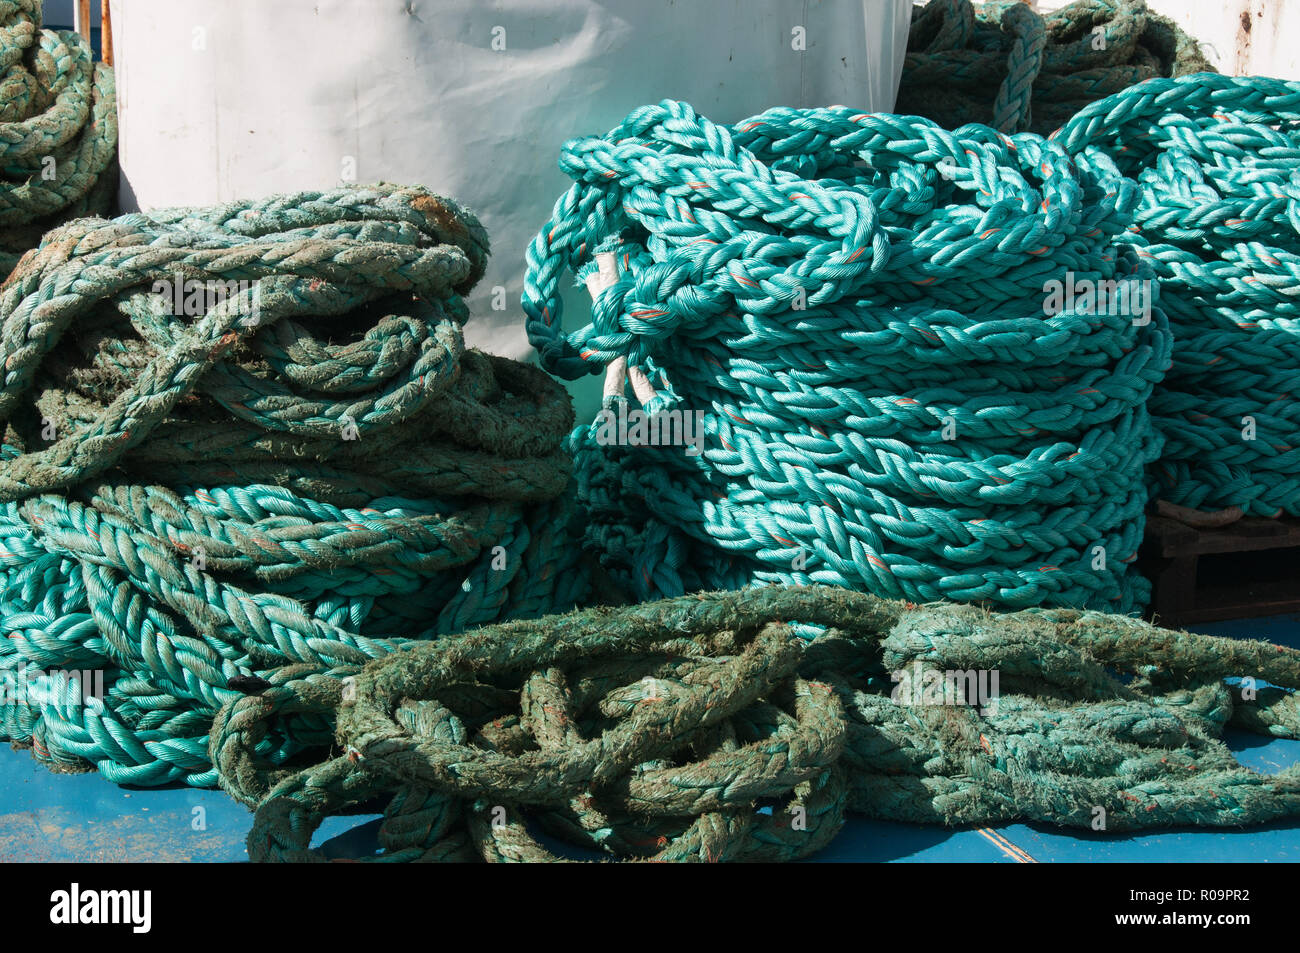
{"points": [[58, 130], [1219, 219], [854, 307], [213, 488], [702, 728], [1007, 66]]}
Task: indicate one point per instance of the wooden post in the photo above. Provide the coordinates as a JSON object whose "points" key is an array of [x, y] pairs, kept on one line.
{"points": [[81, 19], [105, 33]]}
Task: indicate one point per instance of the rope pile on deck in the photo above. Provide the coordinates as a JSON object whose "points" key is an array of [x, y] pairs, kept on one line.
{"points": [[856, 309], [245, 445], [1219, 221], [704, 728]]}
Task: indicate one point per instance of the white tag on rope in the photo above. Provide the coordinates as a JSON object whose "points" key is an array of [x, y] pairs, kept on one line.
{"points": [[615, 377], [606, 274], [641, 386], [617, 374]]}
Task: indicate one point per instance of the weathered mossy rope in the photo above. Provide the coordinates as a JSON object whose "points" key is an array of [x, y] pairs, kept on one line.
{"points": [[1218, 160], [1007, 66], [58, 130], [295, 480], [855, 304], [663, 729]]}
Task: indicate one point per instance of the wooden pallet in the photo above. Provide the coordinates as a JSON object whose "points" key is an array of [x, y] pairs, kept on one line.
{"points": [[1248, 568]]}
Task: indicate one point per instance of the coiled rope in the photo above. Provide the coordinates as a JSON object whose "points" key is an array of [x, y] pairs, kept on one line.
{"points": [[701, 728], [1218, 158], [293, 479], [58, 130], [1005, 65], [854, 304]]}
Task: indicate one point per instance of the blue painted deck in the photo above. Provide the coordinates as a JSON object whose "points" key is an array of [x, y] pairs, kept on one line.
{"points": [[48, 817]]}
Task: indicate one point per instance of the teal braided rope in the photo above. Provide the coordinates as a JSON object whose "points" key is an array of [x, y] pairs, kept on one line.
{"points": [[703, 728], [58, 130], [1003, 64], [302, 475], [853, 304], [1218, 160]]}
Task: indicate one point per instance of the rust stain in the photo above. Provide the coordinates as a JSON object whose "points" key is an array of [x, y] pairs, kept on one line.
{"points": [[52, 835], [1242, 64]]}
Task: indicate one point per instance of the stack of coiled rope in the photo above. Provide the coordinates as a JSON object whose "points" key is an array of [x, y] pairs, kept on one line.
{"points": [[701, 728], [854, 305], [1218, 160], [58, 130], [1005, 65], [247, 445]]}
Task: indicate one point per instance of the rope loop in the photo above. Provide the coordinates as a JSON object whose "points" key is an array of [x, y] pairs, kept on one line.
{"points": [[1005, 65], [58, 130]]}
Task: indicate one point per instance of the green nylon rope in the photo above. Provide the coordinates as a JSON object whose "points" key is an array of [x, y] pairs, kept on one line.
{"points": [[854, 303], [1009, 67], [702, 728], [1218, 160], [300, 476], [58, 130]]}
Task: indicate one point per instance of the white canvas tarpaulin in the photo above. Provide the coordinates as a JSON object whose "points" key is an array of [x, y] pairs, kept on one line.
{"points": [[229, 99]]}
